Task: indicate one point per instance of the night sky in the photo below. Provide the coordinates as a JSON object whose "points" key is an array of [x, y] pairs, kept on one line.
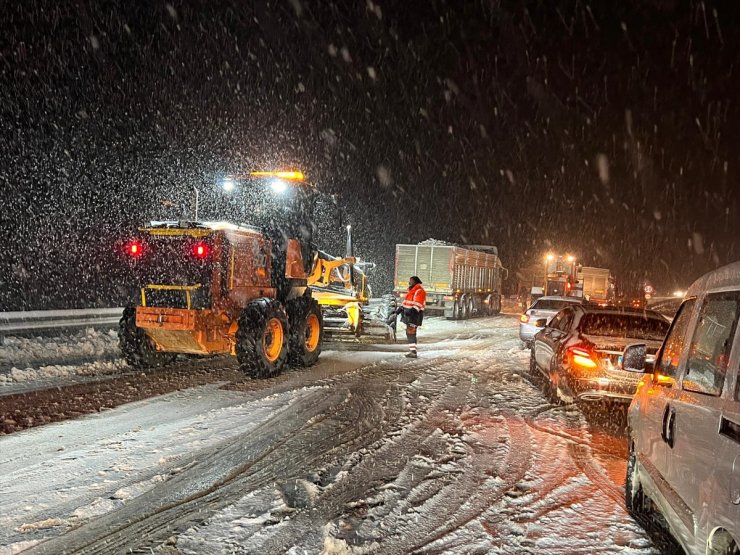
{"points": [[610, 130]]}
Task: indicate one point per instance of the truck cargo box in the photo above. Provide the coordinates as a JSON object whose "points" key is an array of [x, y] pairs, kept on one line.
{"points": [[458, 280]]}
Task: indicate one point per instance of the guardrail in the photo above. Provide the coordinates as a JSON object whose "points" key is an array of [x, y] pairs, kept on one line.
{"points": [[43, 322]]}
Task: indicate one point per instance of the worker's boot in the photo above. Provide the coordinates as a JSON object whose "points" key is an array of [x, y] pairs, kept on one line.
{"points": [[411, 354]]}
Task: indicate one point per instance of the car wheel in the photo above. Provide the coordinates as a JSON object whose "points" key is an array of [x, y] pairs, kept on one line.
{"points": [[563, 391], [635, 499], [532, 362]]}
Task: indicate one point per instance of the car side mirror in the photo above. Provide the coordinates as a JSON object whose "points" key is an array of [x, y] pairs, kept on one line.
{"points": [[634, 358], [540, 323]]}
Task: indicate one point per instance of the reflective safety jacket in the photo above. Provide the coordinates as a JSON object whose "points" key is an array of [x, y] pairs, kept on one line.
{"points": [[413, 305]]}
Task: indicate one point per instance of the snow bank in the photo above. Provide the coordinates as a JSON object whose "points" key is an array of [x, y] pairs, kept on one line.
{"points": [[83, 353]]}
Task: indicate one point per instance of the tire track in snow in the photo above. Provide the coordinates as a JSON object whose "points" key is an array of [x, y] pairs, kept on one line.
{"points": [[517, 464], [218, 468], [328, 422], [581, 455], [382, 465]]}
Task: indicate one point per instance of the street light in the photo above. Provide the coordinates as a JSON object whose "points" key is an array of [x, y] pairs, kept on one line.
{"points": [[549, 257], [228, 184]]}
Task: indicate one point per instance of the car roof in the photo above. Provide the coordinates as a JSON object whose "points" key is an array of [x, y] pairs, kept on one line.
{"points": [[621, 311], [721, 279], [558, 298]]}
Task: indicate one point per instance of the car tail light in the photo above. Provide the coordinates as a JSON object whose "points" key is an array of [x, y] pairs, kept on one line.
{"points": [[583, 358], [135, 248], [524, 318], [200, 250]]}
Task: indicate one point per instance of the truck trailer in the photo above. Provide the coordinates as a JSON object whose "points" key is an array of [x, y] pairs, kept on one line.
{"points": [[596, 285], [460, 281]]}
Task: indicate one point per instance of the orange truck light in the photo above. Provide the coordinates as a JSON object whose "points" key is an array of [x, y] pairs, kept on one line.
{"points": [[287, 175]]}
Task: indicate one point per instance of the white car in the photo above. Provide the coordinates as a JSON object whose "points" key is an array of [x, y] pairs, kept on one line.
{"points": [[684, 421], [543, 308]]}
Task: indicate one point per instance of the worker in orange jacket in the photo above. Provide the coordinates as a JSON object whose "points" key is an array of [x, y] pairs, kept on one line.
{"points": [[412, 312]]}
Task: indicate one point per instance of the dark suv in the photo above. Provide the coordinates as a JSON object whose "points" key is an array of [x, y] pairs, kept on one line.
{"points": [[580, 351]]}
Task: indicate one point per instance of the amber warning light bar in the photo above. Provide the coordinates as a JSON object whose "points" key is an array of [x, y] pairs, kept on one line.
{"points": [[286, 175]]}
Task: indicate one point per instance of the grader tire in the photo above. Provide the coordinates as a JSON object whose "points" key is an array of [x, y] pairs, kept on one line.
{"points": [[262, 339], [136, 347], [306, 331]]}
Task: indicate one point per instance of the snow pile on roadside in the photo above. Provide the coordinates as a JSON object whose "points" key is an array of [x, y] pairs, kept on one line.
{"points": [[90, 343], [82, 353], [18, 375]]}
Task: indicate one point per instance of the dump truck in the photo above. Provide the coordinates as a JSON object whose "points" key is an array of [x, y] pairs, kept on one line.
{"points": [[460, 281], [596, 285]]}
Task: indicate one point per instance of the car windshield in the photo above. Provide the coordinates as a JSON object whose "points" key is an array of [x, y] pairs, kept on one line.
{"points": [[624, 325], [551, 304]]}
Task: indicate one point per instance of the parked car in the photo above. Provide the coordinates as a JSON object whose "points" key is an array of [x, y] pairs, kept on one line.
{"points": [[544, 307], [579, 351], [684, 422]]}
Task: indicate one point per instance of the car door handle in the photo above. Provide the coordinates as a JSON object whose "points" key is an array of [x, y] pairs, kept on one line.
{"points": [[668, 432]]}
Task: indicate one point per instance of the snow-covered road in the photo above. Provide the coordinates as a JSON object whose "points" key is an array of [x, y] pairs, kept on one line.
{"points": [[367, 452]]}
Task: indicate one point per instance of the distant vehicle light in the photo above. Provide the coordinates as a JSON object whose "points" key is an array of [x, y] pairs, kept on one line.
{"points": [[228, 184], [135, 249], [278, 185], [200, 250]]}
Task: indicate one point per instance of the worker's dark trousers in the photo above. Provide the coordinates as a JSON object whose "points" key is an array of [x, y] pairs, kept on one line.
{"points": [[411, 337]]}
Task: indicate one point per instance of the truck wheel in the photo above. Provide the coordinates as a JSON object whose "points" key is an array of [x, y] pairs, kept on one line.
{"points": [[262, 339], [306, 330], [496, 306], [465, 308], [468, 308], [490, 309], [136, 347], [455, 310]]}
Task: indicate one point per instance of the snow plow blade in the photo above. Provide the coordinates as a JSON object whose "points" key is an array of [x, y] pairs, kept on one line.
{"points": [[336, 329]]}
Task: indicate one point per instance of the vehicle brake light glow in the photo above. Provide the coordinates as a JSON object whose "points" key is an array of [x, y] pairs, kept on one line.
{"points": [[135, 248], [200, 250], [582, 358], [524, 318]]}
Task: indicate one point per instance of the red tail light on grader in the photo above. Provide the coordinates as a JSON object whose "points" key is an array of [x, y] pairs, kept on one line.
{"points": [[218, 288]]}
